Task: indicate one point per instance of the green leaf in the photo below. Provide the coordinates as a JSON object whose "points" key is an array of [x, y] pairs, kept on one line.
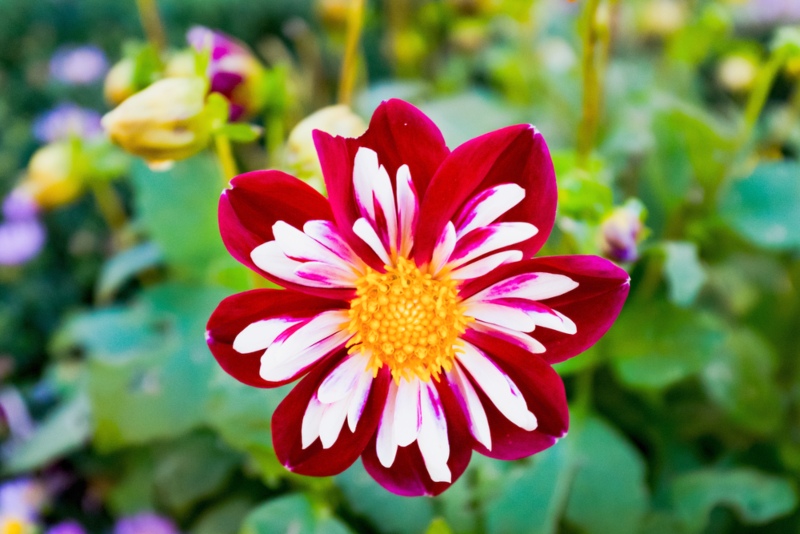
{"points": [[763, 207], [684, 272], [178, 209], [740, 379], [391, 513], [159, 378], [64, 431], [134, 490], [292, 513], [655, 345], [240, 132], [757, 498], [119, 269], [195, 467], [224, 517], [217, 110], [486, 113], [438, 526], [593, 479]]}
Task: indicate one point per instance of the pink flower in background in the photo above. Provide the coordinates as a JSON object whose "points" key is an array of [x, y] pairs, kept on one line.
{"points": [[233, 70], [78, 65], [65, 121], [414, 309]]}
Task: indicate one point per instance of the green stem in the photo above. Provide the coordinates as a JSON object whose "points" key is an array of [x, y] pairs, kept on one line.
{"points": [[759, 94], [226, 160], [151, 22], [587, 130], [110, 205], [347, 79]]}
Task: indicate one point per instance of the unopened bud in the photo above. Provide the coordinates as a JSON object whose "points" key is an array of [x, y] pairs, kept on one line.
{"points": [[621, 232], [302, 156], [164, 122], [233, 71], [738, 72], [662, 18], [119, 83], [54, 178]]}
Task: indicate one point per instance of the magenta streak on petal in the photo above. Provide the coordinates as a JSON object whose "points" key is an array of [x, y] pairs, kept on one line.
{"points": [[488, 239], [488, 206]]}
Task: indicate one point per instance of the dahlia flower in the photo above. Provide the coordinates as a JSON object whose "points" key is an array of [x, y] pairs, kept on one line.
{"points": [[413, 309]]}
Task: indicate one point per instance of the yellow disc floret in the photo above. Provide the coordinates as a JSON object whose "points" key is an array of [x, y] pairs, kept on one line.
{"points": [[408, 320]]}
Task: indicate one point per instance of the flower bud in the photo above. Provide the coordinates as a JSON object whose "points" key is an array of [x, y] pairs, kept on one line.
{"points": [[738, 72], [662, 18], [164, 122], [622, 231], [54, 176], [333, 13], [302, 156], [119, 83], [233, 71]]}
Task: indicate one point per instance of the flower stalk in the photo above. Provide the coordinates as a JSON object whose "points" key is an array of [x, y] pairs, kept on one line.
{"points": [[151, 22], [347, 78], [225, 154], [592, 86], [110, 205], [758, 96]]}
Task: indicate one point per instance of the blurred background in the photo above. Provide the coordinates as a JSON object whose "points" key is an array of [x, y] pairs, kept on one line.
{"points": [[675, 130]]}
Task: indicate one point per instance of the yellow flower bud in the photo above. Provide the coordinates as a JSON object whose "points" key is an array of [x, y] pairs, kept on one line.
{"points": [[164, 122], [302, 156], [119, 82], [738, 72], [662, 18], [53, 177]]}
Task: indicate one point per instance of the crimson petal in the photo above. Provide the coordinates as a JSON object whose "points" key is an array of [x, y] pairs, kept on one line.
{"points": [[238, 311], [593, 306], [408, 475], [517, 154], [254, 203], [544, 393], [315, 460], [400, 134]]}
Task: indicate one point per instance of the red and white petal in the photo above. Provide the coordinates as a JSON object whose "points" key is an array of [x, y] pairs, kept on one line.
{"points": [[444, 248], [497, 314], [518, 155], [498, 387], [267, 309], [314, 459], [407, 210], [485, 265], [489, 239], [471, 404], [385, 444], [326, 233], [592, 306], [358, 400], [270, 258], [530, 286], [408, 473], [343, 380], [543, 393], [407, 412], [487, 206], [255, 202], [325, 274], [304, 346], [514, 337], [298, 245], [432, 437], [400, 135], [375, 196], [364, 230]]}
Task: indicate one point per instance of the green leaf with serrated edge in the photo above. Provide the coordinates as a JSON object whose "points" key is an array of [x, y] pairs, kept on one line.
{"points": [[291, 513], [763, 207], [757, 498], [64, 431]]}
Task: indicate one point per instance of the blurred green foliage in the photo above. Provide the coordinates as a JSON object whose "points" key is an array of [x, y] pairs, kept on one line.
{"points": [[684, 417]]}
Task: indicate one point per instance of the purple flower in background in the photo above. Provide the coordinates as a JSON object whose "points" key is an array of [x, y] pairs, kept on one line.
{"points": [[23, 497], [769, 12], [622, 231], [67, 527], [233, 70], [145, 523], [22, 236], [78, 65], [65, 121]]}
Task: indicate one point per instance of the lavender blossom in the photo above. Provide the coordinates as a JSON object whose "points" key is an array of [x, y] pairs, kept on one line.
{"points": [[22, 498], [769, 12], [79, 65], [22, 236], [67, 527], [145, 523], [65, 121]]}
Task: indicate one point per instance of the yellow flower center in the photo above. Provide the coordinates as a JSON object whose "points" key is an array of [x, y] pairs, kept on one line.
{"points": [[408, 320]]}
